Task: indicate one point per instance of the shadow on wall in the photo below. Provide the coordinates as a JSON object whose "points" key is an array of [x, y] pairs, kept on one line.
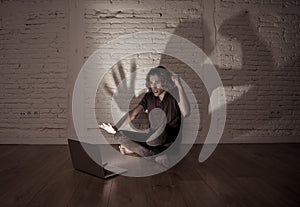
{"points": [[266, 107], [191, 29]]}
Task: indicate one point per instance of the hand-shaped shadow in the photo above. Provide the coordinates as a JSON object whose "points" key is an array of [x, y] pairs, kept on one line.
{"points": [[125, 96], [119, 78]]}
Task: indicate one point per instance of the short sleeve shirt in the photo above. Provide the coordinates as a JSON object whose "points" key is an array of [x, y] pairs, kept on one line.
{"points": [[169, 105]]}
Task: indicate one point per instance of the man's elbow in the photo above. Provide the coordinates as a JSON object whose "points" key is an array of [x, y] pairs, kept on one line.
{"points": [[186, 114]]}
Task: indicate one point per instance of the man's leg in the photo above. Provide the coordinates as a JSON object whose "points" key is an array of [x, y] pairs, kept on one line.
{"points": [[124, 138], [158, 138]]}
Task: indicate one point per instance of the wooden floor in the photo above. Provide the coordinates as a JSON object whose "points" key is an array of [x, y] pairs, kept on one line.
{"points": [[235, 175]]}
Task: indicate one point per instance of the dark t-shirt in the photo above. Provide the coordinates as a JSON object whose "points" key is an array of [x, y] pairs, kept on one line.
{"points": [[169, 105]]}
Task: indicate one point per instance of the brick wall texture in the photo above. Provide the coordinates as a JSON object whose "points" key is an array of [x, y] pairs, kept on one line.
{"points": [[253, 44]]}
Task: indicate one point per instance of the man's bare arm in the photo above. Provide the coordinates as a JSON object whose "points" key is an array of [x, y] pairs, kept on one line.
{"points": [[183, 103], [129, 116]]}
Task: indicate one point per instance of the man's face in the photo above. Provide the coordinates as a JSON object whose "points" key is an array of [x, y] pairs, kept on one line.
{"points": [[155, 84]]}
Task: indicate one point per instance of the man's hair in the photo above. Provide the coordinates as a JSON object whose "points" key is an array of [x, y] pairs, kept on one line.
{"points": [[163, 74]]}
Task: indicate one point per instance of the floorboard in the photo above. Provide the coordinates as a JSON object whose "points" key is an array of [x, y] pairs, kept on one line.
{"points": [[236, 175]]}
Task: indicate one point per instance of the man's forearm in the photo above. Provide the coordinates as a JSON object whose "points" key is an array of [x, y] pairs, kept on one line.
{"points": [[128, 117], [123, 121], [183, 104]]}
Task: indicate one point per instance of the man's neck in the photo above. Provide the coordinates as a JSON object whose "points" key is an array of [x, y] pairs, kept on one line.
{"points": [[162, 95]]}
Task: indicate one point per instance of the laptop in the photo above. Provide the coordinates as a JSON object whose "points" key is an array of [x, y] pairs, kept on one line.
{"points": [[83, 162]]}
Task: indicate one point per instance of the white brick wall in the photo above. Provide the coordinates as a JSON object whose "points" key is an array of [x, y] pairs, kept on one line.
{"points": [[33, 71], [253, 44], [258, 48]]}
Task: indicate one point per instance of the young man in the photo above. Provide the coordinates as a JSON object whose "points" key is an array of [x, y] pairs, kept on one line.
{"points": [[166, 104]]}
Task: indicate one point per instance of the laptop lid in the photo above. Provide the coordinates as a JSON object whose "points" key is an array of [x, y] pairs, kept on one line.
{"points": [[82, 161]]}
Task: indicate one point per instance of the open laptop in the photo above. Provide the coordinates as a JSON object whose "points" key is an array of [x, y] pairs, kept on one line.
{"points": [[83, 162]]}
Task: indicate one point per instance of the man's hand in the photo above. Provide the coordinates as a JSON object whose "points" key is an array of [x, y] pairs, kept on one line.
{"points": [[108, 127], [176, 80]]}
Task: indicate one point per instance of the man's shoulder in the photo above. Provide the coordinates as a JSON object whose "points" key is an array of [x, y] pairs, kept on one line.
{"points": [[149, 94], [174, 92]]}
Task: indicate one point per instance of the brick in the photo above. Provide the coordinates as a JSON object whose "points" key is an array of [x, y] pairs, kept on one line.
{"points": [[260, 52]]}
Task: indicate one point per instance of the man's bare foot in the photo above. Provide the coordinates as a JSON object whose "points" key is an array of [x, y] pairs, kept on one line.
{"points": [[163, 160], [124, 150]]}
